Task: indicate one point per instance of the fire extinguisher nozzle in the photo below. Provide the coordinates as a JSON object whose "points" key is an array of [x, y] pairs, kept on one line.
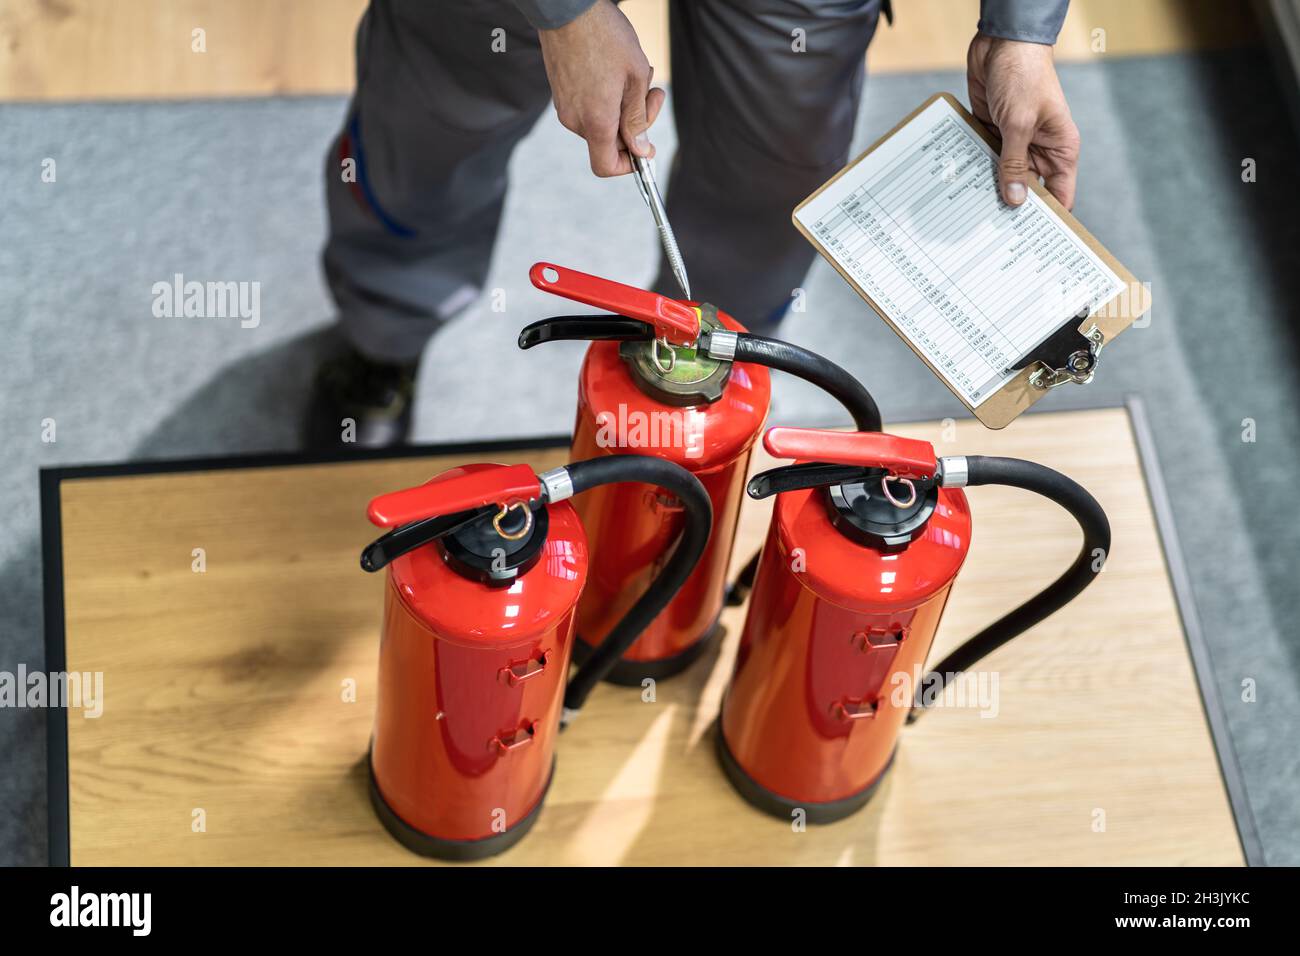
{"points": [[372, 558]]}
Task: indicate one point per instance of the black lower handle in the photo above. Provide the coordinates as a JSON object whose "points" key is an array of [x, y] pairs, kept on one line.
{"points": [[382, 551], [585, 328]]}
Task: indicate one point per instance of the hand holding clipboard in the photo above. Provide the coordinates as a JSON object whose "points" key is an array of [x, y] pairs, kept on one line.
{"points": [[1002, 303]]}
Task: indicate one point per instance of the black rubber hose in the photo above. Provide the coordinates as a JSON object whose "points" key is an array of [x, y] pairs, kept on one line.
{"points": [[608, 470], [826, 375], [813, 368], [1071, 496]]}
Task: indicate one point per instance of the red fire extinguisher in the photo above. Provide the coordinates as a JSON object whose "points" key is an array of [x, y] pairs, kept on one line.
{"points": [[485, 567], [685, 382], [867, 535]]}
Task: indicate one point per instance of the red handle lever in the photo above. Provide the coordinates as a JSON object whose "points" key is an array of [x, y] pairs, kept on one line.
{"points": [[444, 496], [674, 322], [902, 457]]}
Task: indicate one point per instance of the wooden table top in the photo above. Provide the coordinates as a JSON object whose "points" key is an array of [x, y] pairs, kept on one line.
{"points": [[224, 691]]}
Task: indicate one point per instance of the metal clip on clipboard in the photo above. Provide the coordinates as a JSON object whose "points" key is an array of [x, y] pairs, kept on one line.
{"points": [[1067, 355]]}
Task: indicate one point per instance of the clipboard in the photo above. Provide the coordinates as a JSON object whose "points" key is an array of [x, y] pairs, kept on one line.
{"points": [[1053, 353]]}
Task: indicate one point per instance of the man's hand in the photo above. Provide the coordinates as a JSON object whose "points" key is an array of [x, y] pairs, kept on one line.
{"points": [[1013, 88], [600, 79]]}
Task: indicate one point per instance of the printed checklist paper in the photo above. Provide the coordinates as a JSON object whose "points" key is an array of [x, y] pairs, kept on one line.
{"points": [[971, 283]]}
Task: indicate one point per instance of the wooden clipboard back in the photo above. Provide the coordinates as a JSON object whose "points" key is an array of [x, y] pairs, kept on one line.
{"points": [[1017, 394]]}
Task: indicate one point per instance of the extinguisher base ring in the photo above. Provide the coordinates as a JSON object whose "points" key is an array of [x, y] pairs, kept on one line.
{"points": [[773, 804], [462, 851], [630, 673]]}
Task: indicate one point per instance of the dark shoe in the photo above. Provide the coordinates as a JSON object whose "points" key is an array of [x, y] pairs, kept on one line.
{"points": [[359, 403]]}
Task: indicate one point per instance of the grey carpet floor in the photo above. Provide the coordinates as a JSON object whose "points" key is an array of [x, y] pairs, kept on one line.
{"points": [[231, 190]]}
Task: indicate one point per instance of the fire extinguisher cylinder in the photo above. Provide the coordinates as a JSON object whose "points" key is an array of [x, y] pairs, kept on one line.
{"points": [[868, 534], [649, 362], [485, 567]]}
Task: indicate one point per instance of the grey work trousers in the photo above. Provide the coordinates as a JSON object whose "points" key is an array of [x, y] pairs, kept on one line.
{"points": [[765, 93]]}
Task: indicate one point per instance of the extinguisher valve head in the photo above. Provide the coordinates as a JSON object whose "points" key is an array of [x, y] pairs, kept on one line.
{"points": [[682, 376], [456, 507], [871, 513], [500, 547]]}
